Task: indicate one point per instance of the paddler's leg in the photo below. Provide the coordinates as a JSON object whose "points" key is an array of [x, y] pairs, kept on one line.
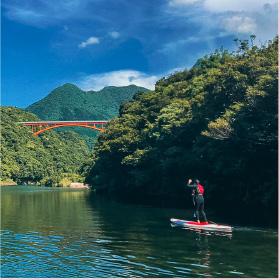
{"points": [[203, 213], [197, 210]]}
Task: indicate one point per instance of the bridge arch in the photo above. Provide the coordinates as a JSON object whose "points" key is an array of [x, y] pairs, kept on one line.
{"points": [[43, 126]]}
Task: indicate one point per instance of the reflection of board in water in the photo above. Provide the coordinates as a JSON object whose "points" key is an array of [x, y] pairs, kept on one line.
{"points": [[201, 226], [205, 232]]}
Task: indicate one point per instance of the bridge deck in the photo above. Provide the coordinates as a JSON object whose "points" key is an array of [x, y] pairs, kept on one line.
{"points": [[58, 124], [64, 122]]}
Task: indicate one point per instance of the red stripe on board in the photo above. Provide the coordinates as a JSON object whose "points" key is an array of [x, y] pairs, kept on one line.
{"points": [[195, 223]]}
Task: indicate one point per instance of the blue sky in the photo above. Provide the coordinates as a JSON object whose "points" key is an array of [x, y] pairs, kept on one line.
{"points": [[97, 43]]}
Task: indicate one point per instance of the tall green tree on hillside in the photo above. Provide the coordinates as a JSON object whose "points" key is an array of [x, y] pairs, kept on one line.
{"points": [[216, 121]]}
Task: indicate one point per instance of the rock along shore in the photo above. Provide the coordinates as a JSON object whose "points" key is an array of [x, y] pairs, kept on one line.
{"points": [[78, 185]]}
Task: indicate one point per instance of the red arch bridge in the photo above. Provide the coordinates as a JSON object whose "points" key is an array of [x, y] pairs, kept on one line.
{"points": [[42, 126]]}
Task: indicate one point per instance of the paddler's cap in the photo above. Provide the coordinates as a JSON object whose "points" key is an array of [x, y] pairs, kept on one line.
{"points": [[197, 181]]}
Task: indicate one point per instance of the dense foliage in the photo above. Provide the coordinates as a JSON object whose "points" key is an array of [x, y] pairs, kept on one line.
{"points": [[68, 102], [217, 122], [49, 159]]}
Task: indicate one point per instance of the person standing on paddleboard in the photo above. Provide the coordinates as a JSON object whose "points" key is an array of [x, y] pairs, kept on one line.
{"points": [[199, 200]]}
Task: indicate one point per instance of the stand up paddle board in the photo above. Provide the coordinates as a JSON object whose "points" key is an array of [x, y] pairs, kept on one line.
{"points": [[203, 226]]}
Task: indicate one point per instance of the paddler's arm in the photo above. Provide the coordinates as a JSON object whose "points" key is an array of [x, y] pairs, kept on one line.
{"points": [[191, 185]]}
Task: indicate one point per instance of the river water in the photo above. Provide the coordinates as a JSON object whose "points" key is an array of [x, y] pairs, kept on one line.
{"points": [[66, 233]]}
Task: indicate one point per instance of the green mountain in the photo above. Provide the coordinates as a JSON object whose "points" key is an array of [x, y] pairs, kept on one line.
{"points": [[217, 122], [68, 102], [47, 159]]}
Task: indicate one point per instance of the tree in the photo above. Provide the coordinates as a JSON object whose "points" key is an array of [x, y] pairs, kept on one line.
{"points": [[217, 121]]}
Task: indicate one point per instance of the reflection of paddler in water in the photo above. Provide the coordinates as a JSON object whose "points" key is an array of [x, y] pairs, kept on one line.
{"points": [[203, 251], [198, 198]]}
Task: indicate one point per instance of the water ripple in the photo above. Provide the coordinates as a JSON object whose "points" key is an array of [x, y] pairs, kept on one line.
{"points": [[35, 255]]}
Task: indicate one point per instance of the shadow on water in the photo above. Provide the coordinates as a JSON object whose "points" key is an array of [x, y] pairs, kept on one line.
{"points": [[147, 226], [229, 213]]}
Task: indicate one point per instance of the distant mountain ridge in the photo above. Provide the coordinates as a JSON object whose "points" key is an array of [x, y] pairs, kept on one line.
{"points": [[68, 102]]}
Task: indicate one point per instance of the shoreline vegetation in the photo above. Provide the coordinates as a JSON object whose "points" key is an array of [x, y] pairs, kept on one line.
{"points": [[50, 159], [67, 185], [216, 122]]}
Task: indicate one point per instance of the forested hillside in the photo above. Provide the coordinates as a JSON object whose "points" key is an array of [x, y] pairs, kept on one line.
{"points": [[68, 102], [216, 122], [48, 159]]}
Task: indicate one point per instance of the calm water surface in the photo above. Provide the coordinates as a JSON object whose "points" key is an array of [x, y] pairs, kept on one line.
{"points": [[56, 232]]}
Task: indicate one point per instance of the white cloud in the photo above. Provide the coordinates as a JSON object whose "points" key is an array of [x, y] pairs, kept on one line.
{"points": [[43, 12], [236, 17], [236, 5], [23, 13], [220, 6], [239, 23], [117, 78], [114, 34], [175, 3], [90, 41], [262, 23]]}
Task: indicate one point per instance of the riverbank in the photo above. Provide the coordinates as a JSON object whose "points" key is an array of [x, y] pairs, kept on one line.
{"points": [[7, 183], [69, 184], [79, 185]]}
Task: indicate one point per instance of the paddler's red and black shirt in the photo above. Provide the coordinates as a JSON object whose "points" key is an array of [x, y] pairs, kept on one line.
{"points": [[198, 189]]}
